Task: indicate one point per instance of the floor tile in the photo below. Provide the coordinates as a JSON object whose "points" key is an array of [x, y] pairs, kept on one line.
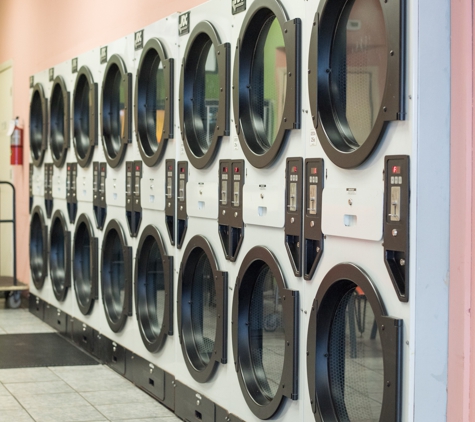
{"points": [[3, 391], [9, 402], [29, 388], [14, 415], [129, 411], [62, 400], [171, 418], [8, 376], [66, 414], [129, 395], [2, 332]]}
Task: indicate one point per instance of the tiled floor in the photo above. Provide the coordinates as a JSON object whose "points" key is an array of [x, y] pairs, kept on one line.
{"points": [[72, 393]]}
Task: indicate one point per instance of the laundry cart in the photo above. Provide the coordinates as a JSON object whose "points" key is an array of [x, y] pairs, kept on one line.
{"points": [[9, 284]]}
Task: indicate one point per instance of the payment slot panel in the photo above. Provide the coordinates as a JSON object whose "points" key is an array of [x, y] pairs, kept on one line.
{"points": [[170, 180], [230, 219], [30, 187], [313, 236], [396, 223], [133, 207], [182, 216], [99, 193], [49, 168], [71, 191], [293, 213]]}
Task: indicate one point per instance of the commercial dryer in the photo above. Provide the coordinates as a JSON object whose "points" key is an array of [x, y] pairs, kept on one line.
{"points": [[40, 162], [153, 203]]}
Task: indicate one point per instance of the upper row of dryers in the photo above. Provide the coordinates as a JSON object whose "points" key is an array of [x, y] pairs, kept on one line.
{"points": [[355, 65]]}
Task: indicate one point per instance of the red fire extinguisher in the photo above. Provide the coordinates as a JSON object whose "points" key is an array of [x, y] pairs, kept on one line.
{"points": [[16, 144]]}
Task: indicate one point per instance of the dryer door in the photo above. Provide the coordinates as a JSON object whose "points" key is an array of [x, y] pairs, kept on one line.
{"points": [[154, 102], [265, 334], [116, 276], [153, 289], [116, 106], [60, 255], [38, 247], [202, 310], [59, 121], [38, 125], [353, 351], [85, 260], [85, 116]]}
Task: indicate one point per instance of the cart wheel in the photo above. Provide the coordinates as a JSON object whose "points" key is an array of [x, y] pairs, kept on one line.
{"points": [[13, 299]]}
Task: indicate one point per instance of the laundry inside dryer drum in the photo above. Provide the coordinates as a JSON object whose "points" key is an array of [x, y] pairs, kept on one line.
{"points": [[85, 116], [38, 125], [84, 267], [37, 249], [59, 121], [113, 276], [151, 101], [59, 256], [152, 291]]}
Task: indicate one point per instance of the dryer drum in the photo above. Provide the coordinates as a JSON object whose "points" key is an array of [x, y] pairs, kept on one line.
{"points": [[116, 110], [153, 290], [202, 299], [85, 116], [355, 67], [266, 79], [264, 333], [85, 257], [204, 86], [154, 101], [353, 351], [116, 273], [38, 125], [60, 256], [38, 247], [59, 121]]}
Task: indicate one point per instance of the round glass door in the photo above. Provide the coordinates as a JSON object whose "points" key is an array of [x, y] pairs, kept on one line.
{"points": [[201, 309], [59, 121], [153, 101], [85, 116], [60, 256], [38, 125], [153, 289], [38, 259]]}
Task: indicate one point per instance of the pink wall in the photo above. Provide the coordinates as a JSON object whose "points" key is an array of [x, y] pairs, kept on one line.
{"points": [[40, 34], [461, 378]]}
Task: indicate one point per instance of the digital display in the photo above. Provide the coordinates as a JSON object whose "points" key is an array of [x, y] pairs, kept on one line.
{"points": [[396, 169]]}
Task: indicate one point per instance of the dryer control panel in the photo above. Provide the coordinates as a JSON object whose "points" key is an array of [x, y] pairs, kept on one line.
{"points": [[133, 204], [99, 174], [49, 169], [230, 220], [293, 212], [170, 199], [182, 216], [71, 191], [396, 222]]}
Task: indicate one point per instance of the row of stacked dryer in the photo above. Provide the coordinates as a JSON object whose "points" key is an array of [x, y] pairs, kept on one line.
{"points": [[198, 205]]}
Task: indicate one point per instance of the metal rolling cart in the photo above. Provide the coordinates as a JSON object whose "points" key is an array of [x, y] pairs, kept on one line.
{"points": [[10, 285]]}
